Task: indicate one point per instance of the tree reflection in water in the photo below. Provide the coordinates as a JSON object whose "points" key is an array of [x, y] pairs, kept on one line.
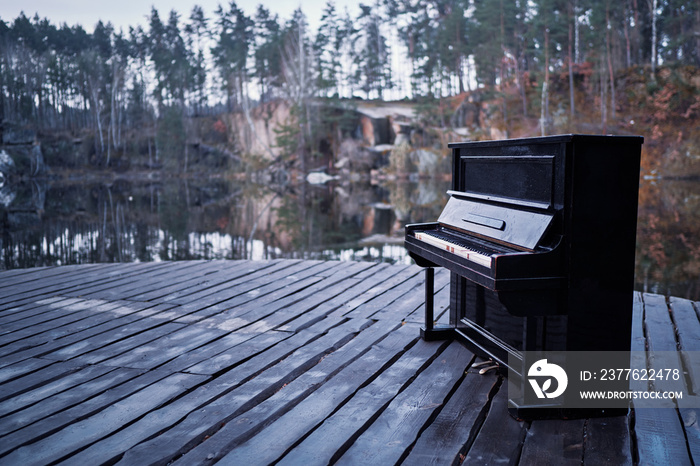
{"points": [[62, 223]]}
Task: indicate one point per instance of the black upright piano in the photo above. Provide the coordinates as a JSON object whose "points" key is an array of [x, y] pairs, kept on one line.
{"points": [[539, 237]]}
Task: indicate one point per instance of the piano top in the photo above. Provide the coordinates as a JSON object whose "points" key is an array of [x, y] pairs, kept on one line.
{"points": [[560, 138]]}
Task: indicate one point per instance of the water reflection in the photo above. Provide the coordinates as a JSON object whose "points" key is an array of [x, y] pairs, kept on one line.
{"points": [[72, 223], [668, 239]]}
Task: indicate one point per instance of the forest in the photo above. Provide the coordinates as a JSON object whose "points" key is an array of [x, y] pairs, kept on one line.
{"points": [[555, 65]]}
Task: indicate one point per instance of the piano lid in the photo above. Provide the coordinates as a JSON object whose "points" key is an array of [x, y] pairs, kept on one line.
{"points": [[518, 228]]}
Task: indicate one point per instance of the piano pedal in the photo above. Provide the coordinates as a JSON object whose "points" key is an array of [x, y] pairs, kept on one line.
{"points": [[485, 366], [482, 364], [486, 369]]}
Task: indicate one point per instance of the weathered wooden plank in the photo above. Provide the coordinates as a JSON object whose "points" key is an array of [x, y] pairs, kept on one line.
{"points": [[501, 437], [94, 289], [288, 415], [124, 288], [51, 289], [232, 393], [237, 272], [245, 310], [355, 287], [151, 354], [607, 442], [231, 349], [379, 288], [94, 341], [268, 277], [657, 430], [32, 374], [659, 437], [451, 434], [232, 357], [225, 352], [53, 340], [45, 310], [10, 275], [66, 399], [688, 331], [281, 434], [441, 301], [264, 289], [31, 308], [275, 309], [80, 315], [19, 277], [409, 286], [687, 324], [441, 305], [287, 396], [112, 351], [314, 286], [87, 431], [389, 437], [554, 442], [215, 272], [65, 381], [414, 301], [661, 343], [53, 422], [657, 322], [638, 342], [690, 414], [56, 318], [71, 281], [158, 285], [344, 425]]}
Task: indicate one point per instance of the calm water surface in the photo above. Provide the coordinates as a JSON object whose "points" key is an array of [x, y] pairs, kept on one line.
{"points": [[179, 219]]}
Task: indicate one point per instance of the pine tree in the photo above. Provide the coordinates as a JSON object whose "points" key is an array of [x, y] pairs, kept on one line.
{"points": [[233, 43], [196, 31], [373, 73], [268, 37]]}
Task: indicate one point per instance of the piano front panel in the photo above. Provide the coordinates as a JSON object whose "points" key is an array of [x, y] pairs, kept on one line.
{"points": [[520, 173], [520, 180], [484, 308]]}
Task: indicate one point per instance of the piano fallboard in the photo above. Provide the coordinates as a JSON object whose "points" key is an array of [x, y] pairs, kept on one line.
{"points": [[517, 228]]}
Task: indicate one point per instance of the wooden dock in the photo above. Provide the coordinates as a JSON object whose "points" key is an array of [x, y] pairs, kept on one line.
{"points": [[289, 362]]}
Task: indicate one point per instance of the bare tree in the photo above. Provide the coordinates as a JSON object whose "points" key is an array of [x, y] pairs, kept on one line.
{"points": [[299, 86], [653, 4]]}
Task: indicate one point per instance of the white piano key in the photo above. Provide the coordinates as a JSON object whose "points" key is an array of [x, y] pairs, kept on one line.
{"points": [[456, 249]]}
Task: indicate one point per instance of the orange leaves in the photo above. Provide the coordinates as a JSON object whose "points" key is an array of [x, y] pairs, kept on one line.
{"points": [[693, 109], [219, 127]]}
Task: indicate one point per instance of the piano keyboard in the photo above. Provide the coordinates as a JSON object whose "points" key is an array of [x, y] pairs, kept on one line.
{"points": [[454, 246]]}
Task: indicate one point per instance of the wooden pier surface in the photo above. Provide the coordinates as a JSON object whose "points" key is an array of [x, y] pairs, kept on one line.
{"points": [[289, 362]]}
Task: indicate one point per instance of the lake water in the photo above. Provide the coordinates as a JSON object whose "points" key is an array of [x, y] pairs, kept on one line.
{"points": [[58, 223]]}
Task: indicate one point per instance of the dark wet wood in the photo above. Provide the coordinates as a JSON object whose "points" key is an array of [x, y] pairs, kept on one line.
{"points": [[288, 361]]}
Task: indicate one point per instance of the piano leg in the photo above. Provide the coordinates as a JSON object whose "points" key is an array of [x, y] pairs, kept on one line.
{"points": [[429, 332]]}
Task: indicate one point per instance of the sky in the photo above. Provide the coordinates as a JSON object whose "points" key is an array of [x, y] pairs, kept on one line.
{"points": [[125, 13]]}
